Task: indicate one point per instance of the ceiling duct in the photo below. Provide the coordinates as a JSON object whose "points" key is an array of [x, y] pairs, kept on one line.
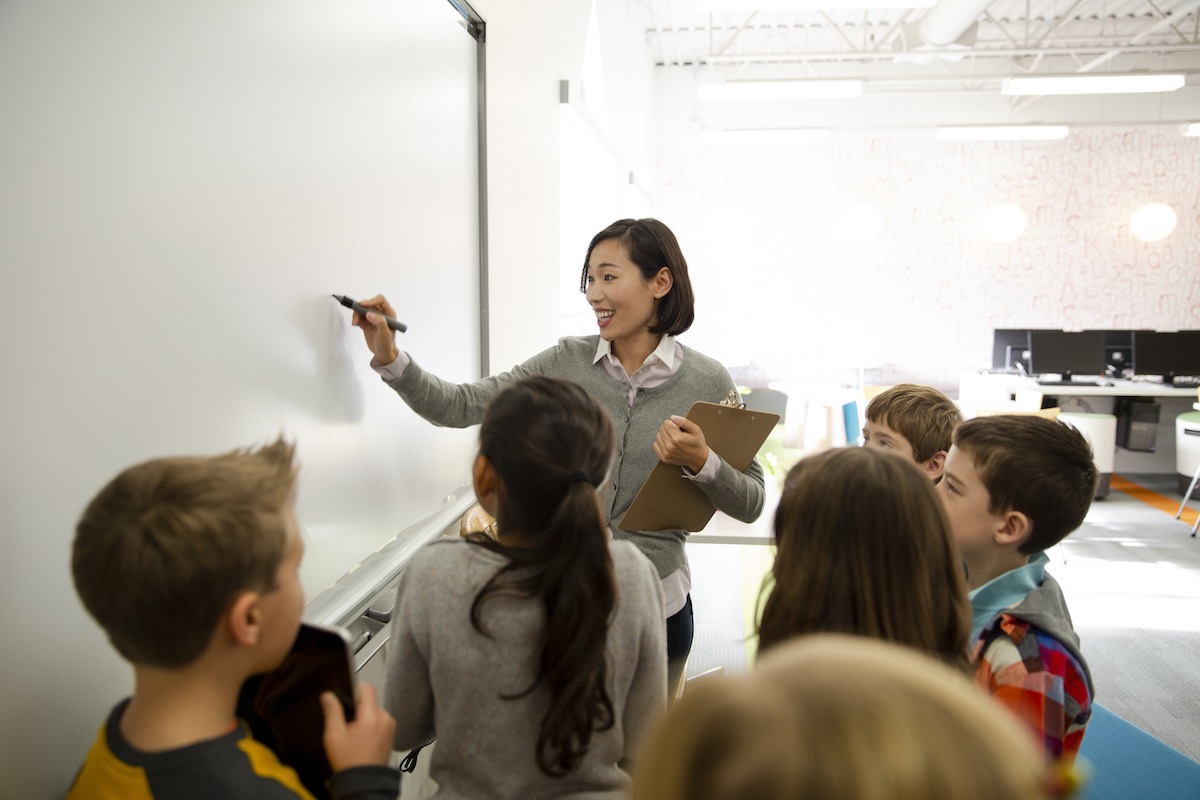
{"points": [[949, 19]]}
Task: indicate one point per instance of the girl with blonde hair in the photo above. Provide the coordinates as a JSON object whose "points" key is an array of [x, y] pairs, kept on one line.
{"points": [[843, 718]]}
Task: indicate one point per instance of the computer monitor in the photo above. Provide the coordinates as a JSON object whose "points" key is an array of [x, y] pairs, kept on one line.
{"points": [[1118, 350], [1166, 354], [1067, 352], [1010, 345]]}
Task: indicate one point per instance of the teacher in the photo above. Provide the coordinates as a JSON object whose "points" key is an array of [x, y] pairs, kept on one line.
{"points": [[636, 280]]}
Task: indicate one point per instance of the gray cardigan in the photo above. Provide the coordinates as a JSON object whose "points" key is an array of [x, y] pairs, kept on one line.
{"points": [[445, 678], [738, 494]]}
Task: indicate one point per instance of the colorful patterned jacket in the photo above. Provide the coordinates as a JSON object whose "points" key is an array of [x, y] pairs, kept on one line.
{"points": [[1028, 658]]}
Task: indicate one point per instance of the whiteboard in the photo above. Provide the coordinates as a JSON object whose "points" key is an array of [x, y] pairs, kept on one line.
{"points": [[193, 184], [182, 187]]}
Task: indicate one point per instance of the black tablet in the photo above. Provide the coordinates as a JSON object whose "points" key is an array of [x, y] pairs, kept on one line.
{"points": [[283, 707]]}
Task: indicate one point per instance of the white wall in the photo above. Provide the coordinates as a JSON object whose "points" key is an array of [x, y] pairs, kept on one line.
{"points": [[607, 146], [59, 675], [531, 47], [552, 182], [786, 281]]}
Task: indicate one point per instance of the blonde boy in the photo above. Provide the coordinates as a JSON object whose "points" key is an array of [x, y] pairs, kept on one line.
{"points": [[1013, 487], [191, 566], [914, 421]]}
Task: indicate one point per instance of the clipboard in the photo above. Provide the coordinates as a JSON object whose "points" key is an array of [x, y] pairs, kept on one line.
{"points": [[669, 500]]}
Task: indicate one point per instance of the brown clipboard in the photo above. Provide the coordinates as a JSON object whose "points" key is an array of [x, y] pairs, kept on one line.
{"points": [[669, 500]]}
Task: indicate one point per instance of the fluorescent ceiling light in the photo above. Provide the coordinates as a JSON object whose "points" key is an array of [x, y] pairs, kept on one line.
{"points": [[748, 6], [1192, 129], [992, 133], [1092, 84], [766, 136], [779, 90]]}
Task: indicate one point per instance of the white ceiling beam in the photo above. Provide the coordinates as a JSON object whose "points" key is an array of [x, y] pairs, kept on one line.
{"points": [[1162, 15], [977, 53], [1062, 20], [950, 19], [1181, 11]]}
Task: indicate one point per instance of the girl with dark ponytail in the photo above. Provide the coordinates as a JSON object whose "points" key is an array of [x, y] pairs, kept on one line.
{"points": [[538, 658]]}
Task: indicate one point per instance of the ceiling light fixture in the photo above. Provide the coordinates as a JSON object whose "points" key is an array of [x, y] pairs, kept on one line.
{"points": [[766, 136], [779, 90], [1004, 222], [748, 6], [995, 133], [1153, 222], [1092, 84]]}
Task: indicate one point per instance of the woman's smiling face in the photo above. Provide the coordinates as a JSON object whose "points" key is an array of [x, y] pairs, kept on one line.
{"points": [[626, 304]]}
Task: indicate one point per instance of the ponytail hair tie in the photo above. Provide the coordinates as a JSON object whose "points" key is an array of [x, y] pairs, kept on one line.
{"points": [[578, 476]]}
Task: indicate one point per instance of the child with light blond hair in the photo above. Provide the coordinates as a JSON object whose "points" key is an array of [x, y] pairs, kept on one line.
{"points": [[843, 718]]}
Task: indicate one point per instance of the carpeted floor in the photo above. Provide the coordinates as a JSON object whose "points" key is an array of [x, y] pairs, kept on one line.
{"points": [[1131, 575]]}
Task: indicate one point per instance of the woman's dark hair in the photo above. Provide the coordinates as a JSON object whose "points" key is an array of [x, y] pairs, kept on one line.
{"points": [[864, 548], [552, 445], [652, 246]]}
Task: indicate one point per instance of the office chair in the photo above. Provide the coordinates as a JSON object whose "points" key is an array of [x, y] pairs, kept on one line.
{"points": [[1187, 496]]}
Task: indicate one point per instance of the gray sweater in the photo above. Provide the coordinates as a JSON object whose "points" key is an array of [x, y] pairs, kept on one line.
{"points": [[738, 494], [445, 678]]}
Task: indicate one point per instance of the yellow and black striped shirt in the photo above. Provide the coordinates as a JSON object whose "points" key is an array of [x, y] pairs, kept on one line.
{"points": [[233, 766]]}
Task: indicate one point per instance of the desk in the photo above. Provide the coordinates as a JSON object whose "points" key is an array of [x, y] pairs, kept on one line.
{"points": [[997, 391], [1116, 389], [723, 529], [717, 533], [977, 389]]}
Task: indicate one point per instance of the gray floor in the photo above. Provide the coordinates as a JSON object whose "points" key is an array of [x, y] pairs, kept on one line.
{"points": [[1132, 578]]}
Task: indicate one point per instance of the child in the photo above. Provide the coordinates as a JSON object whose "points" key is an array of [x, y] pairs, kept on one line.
{"points": [[915, 421], [841, 718], [191, 566], [1014, 486], [536, 658], [864, 548]]}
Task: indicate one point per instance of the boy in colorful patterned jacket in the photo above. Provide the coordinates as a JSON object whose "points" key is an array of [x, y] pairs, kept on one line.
{"points": [[1013, 487]]}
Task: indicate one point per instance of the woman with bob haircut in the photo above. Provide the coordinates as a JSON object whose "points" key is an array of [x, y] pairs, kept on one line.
{"points": [[844, 718], [864, 548], [635, 279]]}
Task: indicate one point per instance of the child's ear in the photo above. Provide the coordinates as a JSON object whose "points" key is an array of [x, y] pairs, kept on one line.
{"points": [[487, 483], [1014, 529], [244, 619], [935, 466]]}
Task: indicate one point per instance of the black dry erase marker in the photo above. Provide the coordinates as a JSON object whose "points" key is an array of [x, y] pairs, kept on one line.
{"points": [[394, 324]]}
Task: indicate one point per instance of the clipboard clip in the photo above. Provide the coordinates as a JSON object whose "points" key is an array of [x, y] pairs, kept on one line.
{"points": [[734, 400]]}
